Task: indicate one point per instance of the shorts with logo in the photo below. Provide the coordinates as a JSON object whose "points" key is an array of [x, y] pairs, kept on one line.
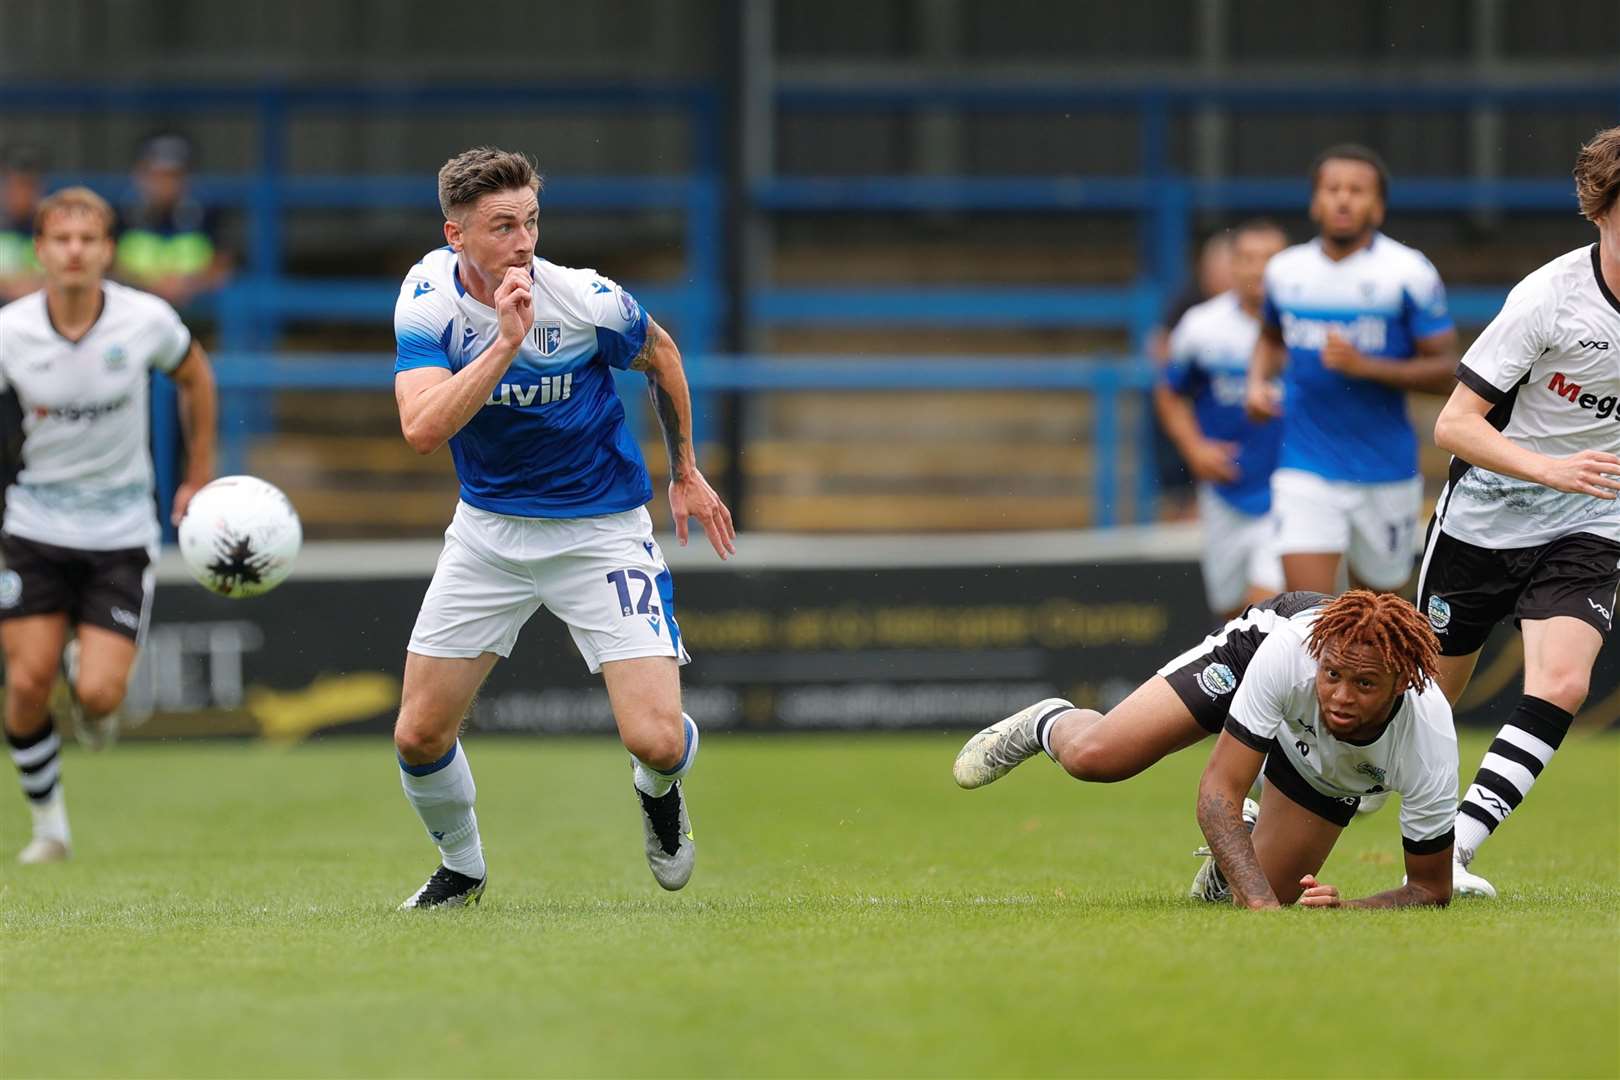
{"points": [[1206, 676], [1466, 590], [604, 577], [109, 589], [1239, 551], [1373, 525]]}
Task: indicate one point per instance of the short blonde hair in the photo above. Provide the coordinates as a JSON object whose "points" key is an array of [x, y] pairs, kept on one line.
{"points": [[1597, 174], [73, 200]]}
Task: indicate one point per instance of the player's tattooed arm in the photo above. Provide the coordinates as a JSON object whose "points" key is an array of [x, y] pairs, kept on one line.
{"points": [[672, 400], [690, 495], [1232, 768]]}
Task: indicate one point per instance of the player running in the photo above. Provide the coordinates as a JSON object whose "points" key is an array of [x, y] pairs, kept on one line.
{"points": [[1362, 661], [80, 528], [1528, 524], [1358, 320], [1200, 406], [509, 359]]}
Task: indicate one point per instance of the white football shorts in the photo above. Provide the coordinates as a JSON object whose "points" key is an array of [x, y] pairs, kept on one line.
{"points": [[604, 577], [1240, 550], [1373, 525]]}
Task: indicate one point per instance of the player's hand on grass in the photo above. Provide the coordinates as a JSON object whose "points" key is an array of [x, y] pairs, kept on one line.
{"points": [[514, 302], [1590, 472], [692, 497], [1214, 461], [1262, 401], [1316, 894], [1341, 356]]}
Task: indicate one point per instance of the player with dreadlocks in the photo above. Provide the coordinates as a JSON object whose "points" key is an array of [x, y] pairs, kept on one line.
{"points": [[1333, 708]]}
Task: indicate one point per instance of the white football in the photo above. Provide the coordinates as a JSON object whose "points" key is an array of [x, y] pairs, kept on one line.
{"points": [[240, 536]]}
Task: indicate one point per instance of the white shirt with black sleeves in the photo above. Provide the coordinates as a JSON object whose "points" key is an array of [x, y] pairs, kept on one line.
{"points": [[86, 477], [1549, 363], [1276, 711]]}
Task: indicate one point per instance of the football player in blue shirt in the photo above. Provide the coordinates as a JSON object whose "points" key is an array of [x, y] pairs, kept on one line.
{"points": [[1200, 406], [508, 359], [1357, 320]]}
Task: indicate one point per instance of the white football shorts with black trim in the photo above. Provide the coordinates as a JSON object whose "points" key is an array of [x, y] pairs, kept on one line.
{"points": [[604, 577]]}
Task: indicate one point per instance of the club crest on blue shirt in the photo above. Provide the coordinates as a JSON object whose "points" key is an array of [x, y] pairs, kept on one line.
{"points": [[548, 337], [627, 305]]}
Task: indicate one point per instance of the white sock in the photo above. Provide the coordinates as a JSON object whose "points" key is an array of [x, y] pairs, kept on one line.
{"points": [[50, 817], [656, 782], [443, 794]]}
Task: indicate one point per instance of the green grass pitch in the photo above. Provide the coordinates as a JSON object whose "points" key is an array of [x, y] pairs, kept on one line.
{"points": [[229, 912]]}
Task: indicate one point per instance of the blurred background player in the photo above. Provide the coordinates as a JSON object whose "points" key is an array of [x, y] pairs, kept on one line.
{"points": [[1213, 276], [1200, 406], [1357, 320], [169, 244], [1333, 710], [508, 358], [1528, 525], [21, 184], [81, 528]]}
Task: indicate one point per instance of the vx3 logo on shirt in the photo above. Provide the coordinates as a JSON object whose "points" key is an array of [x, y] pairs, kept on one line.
{"points": [[1594, 345]]}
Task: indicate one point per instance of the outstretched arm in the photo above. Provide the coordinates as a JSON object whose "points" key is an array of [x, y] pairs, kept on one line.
{"points": [[1231, 770], [1262, 401], [199, 412], [1207, 459], [1463, 429], [1430, 370], [690, 495], [1428, 883]]}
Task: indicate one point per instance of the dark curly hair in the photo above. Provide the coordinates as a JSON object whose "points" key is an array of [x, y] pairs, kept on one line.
{"points": [[1383, 622]]}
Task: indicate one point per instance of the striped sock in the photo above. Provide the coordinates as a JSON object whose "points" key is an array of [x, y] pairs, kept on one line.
{"points": [[1043, 727], [1520, 751], [38, 758]]}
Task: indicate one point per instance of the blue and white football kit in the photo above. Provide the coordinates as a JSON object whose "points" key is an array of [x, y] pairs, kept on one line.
{"points": [[553, 485], [1347, 478], [1210, 350]]}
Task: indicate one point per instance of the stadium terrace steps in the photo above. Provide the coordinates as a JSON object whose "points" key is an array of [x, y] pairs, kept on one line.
{"points": [[889, 512]]}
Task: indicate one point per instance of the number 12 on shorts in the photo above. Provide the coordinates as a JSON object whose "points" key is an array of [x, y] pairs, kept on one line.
{"points": [[643, 606]]}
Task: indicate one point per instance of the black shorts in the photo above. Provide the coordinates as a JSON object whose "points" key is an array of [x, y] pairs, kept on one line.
{"points": [[1466, 590], [1281, 775], [1206, 676], [109, 589]]}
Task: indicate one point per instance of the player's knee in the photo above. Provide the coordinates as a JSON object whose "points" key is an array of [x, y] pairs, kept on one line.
{"points": [[100, 695], [1564, 687], [1090, 759], [660, 743], [30, 688], [418, 743]]}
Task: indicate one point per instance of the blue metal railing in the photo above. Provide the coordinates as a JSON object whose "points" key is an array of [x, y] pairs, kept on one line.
{"points": [[1106, 380], [253, 311]]}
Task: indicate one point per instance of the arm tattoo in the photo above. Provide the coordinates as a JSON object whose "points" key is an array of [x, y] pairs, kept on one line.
{"points": [[1223, 827], [669, 418], [643, 359]]}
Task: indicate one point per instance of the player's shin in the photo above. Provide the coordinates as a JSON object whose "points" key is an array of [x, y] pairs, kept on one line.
{"points": [[656, 782], [1516, 757], [443, 794], [38, 758]]}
